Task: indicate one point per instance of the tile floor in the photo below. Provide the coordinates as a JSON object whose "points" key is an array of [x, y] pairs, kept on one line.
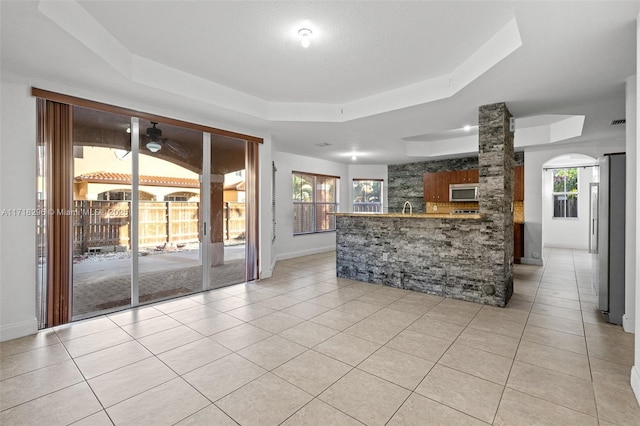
{"points": [[307, 348]]}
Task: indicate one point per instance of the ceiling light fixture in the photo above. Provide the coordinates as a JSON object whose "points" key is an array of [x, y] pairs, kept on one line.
{"points": [[354, 158], [305, 36], [153, 146], [467, 128]]}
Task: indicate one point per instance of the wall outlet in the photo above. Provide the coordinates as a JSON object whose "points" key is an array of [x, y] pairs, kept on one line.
{"points": [[385, 257], [435, 207]]}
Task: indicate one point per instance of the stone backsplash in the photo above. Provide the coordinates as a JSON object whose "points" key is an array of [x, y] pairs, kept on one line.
{"points": [[446, 208], [449, 207], [518, 211]]}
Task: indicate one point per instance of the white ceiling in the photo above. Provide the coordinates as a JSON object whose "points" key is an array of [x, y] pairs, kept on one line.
{"points": [[393, 81]]}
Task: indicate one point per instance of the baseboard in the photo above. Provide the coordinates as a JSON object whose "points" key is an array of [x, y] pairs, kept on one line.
{"points": [[264, 274], [293, 255], [629, 325], [21, 329], [635, 381], [530, 261]]}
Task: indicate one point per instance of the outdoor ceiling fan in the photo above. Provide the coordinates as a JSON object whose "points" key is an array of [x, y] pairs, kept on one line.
{"points": [[154, 142]]}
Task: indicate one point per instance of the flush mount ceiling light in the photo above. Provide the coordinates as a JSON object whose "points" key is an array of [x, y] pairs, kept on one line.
{"points": [[305, 36]]}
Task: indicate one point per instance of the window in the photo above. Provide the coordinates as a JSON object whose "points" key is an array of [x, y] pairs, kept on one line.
{"points": [[367, 195], [565, 193], [314, 197]]}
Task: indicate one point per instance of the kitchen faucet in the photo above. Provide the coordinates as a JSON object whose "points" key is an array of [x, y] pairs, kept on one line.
{"points": [[405, 206]]}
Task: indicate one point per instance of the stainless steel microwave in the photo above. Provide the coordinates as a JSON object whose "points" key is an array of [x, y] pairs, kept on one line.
{"points": [[463, 192]]}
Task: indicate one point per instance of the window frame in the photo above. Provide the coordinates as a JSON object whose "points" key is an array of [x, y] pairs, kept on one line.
{"points": [[565, 193], [313, 204]]}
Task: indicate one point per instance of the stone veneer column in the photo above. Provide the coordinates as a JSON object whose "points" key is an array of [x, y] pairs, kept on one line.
{"points": [[495, 163]]}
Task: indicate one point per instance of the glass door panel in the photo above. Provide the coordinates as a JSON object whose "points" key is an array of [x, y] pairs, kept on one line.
{"points": [[101, 212], [169, 249], [228, 211]]}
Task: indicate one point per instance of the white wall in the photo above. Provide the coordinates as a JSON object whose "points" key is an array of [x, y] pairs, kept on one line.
{"points": [[534, 158], [373, 171], [287, 245], [629, 318], [18, 190], [635, 370], [569, 232]]}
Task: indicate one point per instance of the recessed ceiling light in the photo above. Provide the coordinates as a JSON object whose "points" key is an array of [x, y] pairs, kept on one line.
{"points": [[467, 128], [354, 158], [305, 36]]}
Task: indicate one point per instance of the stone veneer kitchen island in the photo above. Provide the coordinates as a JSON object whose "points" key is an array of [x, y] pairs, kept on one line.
{"points": [[445, 255], [467, 257]]}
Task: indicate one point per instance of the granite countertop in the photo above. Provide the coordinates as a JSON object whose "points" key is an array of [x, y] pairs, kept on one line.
{"points": [[415, 215]]}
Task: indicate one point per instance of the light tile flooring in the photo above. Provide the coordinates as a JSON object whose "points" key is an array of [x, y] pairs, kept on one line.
{"points": [[306, 348]]}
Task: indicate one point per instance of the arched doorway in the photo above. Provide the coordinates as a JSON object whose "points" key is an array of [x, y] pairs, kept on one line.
{"points": [[566, 209]]}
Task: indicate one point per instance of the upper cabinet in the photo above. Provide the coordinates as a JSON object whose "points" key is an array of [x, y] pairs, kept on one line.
{"points": [[518, 183], [436, 185], [464, 176]]}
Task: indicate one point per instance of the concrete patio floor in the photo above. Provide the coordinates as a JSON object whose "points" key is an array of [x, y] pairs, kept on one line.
{"points": [[102, 283]]}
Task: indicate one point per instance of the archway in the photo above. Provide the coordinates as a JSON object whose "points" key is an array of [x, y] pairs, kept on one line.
{"points": [[566, 181]]}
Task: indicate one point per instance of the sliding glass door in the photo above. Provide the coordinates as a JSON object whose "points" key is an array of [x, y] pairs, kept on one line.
{"points": [[228, 216], [138, 208], [102, 214], [170, 166]]}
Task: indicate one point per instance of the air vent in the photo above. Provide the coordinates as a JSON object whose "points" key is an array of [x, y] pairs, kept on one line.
{"points": [[323, 144], [617, 122]]}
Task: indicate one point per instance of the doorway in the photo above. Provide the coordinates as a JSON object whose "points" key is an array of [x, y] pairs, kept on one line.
{"points": [[566, 193]]}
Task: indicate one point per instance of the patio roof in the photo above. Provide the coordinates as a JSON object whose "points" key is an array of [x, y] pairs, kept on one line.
{"points": [[124, 178]]}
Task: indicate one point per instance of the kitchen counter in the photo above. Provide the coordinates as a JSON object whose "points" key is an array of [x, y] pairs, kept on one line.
{"points": [[414, 216]]}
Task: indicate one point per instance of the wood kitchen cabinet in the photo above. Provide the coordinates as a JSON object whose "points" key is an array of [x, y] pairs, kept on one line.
{"points": [[518, 242], [518, 183], [436, 187], [464, 176], [429, 186]]}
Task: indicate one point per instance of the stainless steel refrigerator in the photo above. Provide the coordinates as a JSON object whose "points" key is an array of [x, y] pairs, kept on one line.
{"points": [[611, 218]]}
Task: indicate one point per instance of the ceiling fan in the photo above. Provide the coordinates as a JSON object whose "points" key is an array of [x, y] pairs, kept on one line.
{"points": [[154, 142]]}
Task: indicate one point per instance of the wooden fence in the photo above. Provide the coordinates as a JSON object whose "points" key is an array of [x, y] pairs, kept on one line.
{"points": [[98, 225]]}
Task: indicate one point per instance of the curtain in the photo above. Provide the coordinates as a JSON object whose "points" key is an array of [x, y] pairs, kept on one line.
{"points": [[252, 216], [55, 129]]}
